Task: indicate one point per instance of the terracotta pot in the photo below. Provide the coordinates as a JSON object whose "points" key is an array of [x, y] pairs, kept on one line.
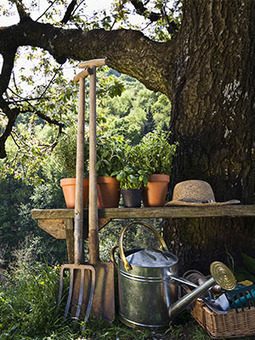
{"points": [[132, 198], [108, 192], [154, 194], [68, 186]]}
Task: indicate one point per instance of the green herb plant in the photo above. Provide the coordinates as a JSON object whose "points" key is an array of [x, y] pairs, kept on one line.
{"points": [[129, 178], [132, 175], [66, 153], [110, 155], [157, 152]]}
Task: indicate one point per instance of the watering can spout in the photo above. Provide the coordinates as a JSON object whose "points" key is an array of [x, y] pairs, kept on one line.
{"points": [[177, 307], [221, 275]]}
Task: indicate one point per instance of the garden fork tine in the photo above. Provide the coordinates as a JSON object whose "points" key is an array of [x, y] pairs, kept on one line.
{"points": [[82, 269], [70, 293]]}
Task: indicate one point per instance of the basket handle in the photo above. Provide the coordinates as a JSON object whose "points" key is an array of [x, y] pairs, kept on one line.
{"points": [[121, 250]]}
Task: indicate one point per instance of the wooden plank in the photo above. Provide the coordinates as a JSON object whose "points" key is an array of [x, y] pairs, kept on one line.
{"points": [[69, 226], [161, 212], [59, 228], [52, 213], [179, 212], [52, 220], [54, 227]]}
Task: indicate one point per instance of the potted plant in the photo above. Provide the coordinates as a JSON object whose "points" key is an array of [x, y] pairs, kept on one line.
{"points": [[66, 155], [110, 157], [132, 177], [131, 183], [158, 155]]}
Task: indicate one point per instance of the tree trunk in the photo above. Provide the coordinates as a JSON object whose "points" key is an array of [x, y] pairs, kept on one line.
{"points": [[213, 120]]}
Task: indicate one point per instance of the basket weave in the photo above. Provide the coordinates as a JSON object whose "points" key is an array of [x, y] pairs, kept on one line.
{"points": [[230, 325]]}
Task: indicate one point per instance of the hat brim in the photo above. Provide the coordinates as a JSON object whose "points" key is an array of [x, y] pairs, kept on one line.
{"points": [[200, 203]]}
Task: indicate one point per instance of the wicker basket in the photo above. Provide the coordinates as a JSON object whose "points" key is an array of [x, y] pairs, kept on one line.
{"points": [[230, 325]]}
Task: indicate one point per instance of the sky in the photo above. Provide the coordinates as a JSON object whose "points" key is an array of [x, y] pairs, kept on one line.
{"points": [[41, 5]]}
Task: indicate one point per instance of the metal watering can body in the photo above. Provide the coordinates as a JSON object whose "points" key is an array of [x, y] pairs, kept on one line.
{"points": [[145, 287], [148, 284], [146, 293]]}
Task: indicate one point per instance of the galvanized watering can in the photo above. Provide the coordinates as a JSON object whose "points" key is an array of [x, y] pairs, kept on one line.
{"points": [[147, 284]]}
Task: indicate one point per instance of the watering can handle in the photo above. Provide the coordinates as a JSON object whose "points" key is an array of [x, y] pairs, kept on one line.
{"points": [[122, 254], [113, 255]]}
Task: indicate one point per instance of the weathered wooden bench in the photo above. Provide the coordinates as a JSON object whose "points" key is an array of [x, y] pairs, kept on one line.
{"points": [[60, 222]]}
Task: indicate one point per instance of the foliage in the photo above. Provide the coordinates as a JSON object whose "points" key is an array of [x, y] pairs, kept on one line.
{"points": [[110, 152], [27, 153], [16, 223], [28, 300], [132, 175], [159, 19], [131, 178], [12, 195], [137, 109], [45, 99], [128, 113], [157, 152], [110, 84], [66, 153]]}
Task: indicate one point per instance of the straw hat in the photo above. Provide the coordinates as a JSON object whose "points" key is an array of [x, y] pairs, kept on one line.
{"points": [[195, 192]]}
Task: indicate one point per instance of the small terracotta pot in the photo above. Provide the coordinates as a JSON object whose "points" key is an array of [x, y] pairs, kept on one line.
{"points": [[108, 192], [154, 194], [68, 186], [132, 198]]}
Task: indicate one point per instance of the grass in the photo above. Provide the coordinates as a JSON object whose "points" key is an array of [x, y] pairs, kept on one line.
{"points": [[29, 311]]}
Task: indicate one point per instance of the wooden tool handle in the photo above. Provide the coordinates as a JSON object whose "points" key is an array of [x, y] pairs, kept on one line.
{"points": [[92, 63], [93, 209], [81, 75], [78, 220]]}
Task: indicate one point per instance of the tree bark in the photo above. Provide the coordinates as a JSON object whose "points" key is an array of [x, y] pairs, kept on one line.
{"points": [[213, 120]]}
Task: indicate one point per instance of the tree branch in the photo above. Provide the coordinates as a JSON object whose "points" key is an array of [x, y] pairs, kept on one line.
{"points": [[12, 115], [142, 10], [21, 10], [49, 120], [171, 27], [127, 51], [51, 5], [8, 63], [69, 12]]}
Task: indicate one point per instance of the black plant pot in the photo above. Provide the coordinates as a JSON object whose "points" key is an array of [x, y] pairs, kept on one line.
{"points": [[132, 198]]}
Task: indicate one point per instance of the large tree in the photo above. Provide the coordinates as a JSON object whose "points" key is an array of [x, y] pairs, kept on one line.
{"points": [[205, 67]]}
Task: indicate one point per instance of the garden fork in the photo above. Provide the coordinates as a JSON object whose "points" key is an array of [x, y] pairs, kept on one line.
{"points": [[79, 272]]}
